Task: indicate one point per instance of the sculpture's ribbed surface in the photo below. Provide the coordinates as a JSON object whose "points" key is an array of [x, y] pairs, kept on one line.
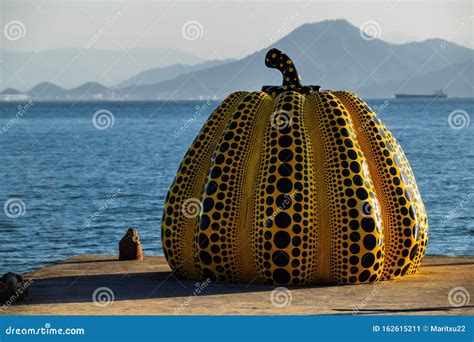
{"points": [[294, 187]]}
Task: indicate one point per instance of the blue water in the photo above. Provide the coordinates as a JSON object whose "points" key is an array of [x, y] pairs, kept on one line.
{"points": [[64, 170]]}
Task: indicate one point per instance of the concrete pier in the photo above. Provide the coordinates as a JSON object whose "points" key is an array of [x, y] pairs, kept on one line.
{"points": [[102, 285]]}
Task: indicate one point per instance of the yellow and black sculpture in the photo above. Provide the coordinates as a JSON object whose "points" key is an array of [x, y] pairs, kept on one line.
{"points": [[294, 185]]}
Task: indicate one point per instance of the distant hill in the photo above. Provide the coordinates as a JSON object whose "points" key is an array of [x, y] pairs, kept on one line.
{"points": [[70, 67], [11, 91], [85, 92], [334, 56], [455, 80], [47, 90], [157, 75], [90, 90], [11, 94]]}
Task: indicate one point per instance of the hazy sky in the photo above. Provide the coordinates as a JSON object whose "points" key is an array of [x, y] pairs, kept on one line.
{"points": [[223, 28]]}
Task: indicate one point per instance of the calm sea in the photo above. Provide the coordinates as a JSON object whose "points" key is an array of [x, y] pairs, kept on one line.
{"points": [[69, 188]]}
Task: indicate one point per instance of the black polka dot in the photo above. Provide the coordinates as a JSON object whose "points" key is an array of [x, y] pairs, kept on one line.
{"points": [[354, 248], [368, 260], [203, 241], [208, 204], [285, 141], [285, 169], [352, 154], [284, 185], [280, 258], [354, 236], [205, 257], [211, 188], [354, 225], [220, 159], [281, 276], [357, 180], [216, 172], [351, 202], [204, 222], [224, 147], [283, 220], [349, 192], [283, 201], [405, 269], [362, 194], [353, 213], [282, 239], [355, 167], [229, 135], [354, 260], [413, 252], [364, 276], [368, 224], [285, 155], [370, 242]]}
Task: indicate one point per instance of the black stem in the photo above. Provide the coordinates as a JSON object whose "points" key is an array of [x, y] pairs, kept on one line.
{"points": [[277, 59]]}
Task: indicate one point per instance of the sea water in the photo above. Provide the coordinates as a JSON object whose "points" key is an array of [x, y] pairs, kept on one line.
{"points": [[75, 176]]}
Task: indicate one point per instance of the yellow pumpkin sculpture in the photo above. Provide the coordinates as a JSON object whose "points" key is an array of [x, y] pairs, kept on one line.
{"points": [[294, 185]]}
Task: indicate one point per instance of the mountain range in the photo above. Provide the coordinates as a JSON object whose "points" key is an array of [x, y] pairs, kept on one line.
{"points": [[69, 67], [331, 53]]}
